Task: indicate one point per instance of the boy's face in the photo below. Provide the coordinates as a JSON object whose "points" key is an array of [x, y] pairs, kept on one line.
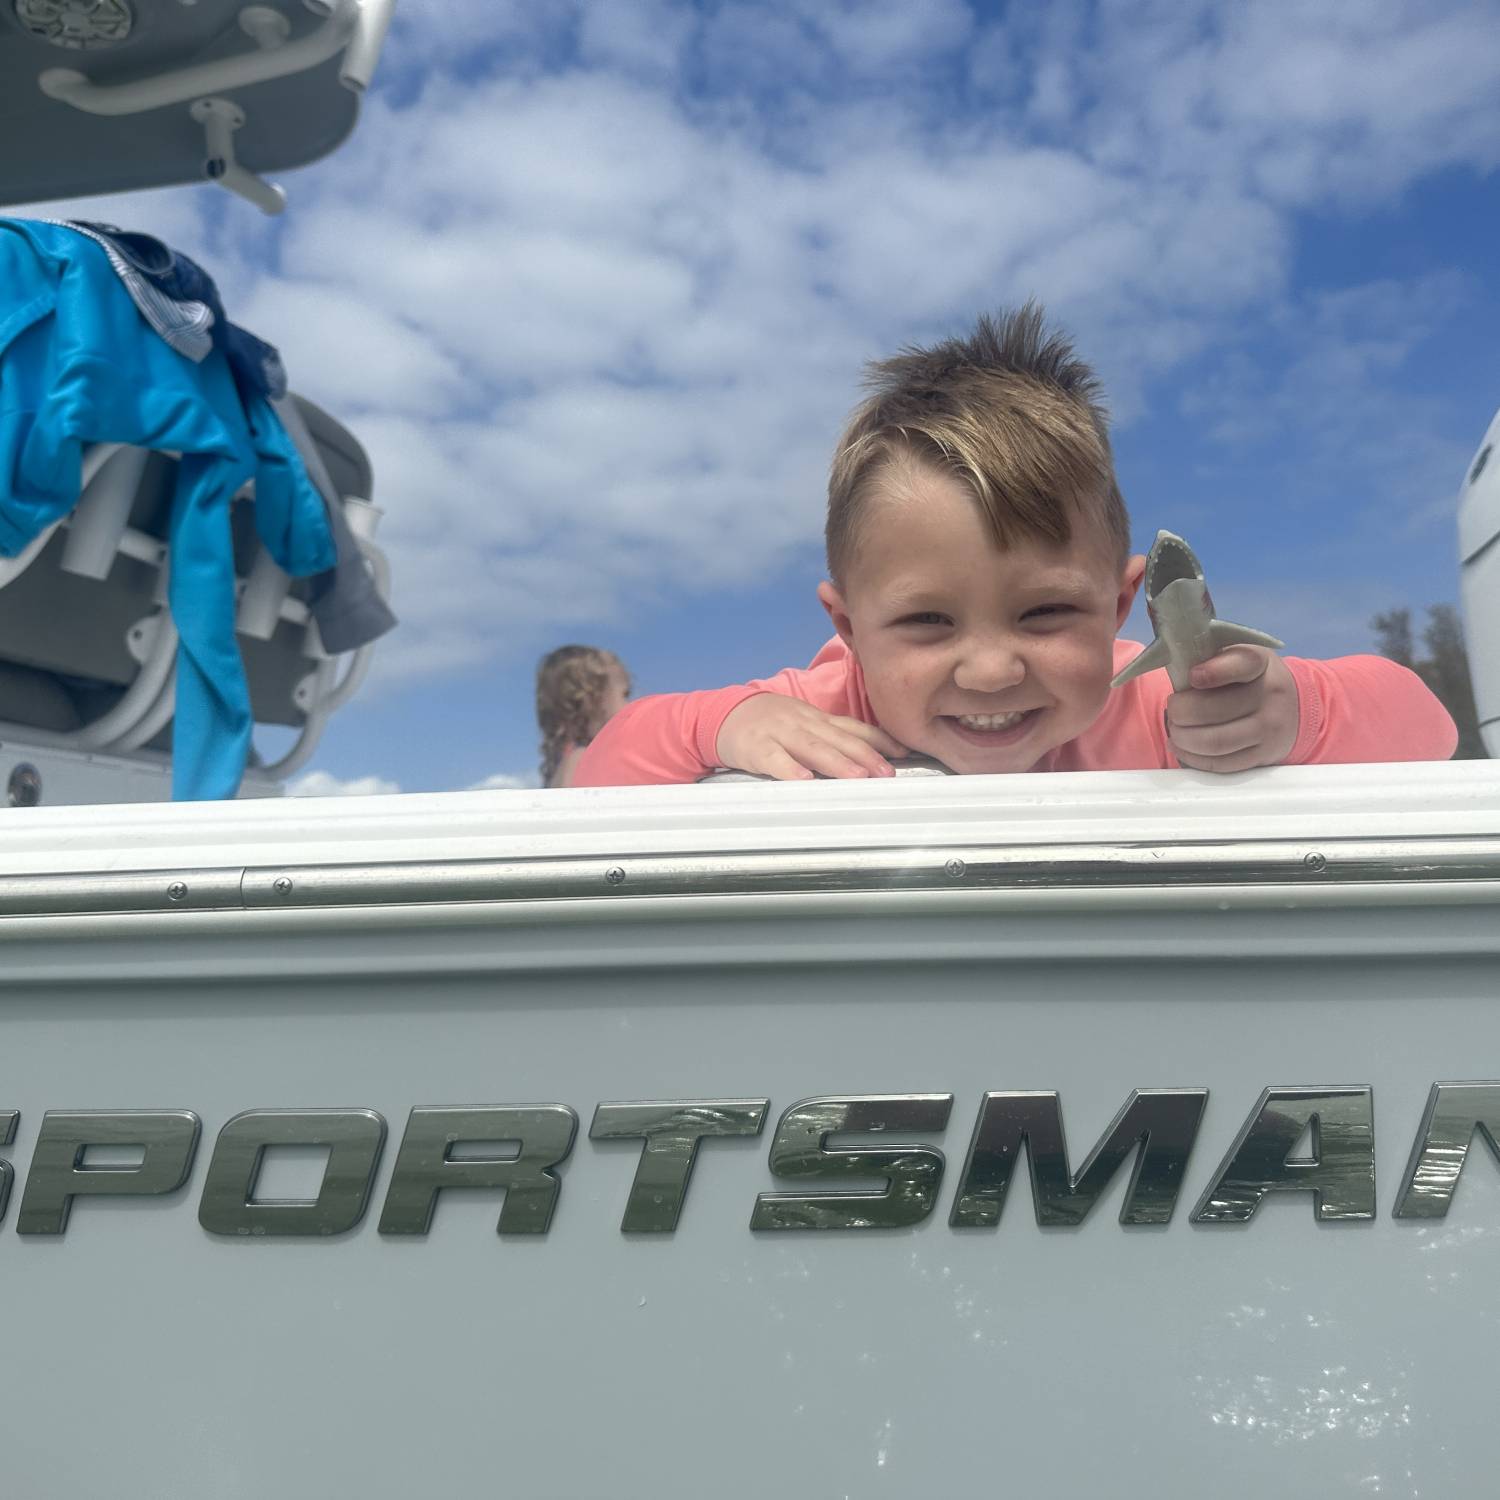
{"points": [[982, 658]]}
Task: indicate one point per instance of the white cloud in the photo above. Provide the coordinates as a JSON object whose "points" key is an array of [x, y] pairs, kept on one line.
{"points": [[175, 214], [503, 782], [458, 34], [876, 37], [325, 784], [645, 36], [1337, 402], [663, 317], [349, 353], [594, 287], [1301, 104]]}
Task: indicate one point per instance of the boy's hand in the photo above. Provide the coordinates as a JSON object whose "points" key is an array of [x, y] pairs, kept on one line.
{"points": [[772, 735], [1241, 711]]}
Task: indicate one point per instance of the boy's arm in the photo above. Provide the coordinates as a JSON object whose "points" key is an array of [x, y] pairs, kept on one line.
{"points": [[1365, 708], [678, 737], [1255, 709], [667, 739]]}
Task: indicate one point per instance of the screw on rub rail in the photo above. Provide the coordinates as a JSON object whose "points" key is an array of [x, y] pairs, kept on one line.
{"points": [[615, 875], [282, 886], [1315, 862], [177, 891]]}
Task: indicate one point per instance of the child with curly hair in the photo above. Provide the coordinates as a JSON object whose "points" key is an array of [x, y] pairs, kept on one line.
{"points": [[578, 689]]}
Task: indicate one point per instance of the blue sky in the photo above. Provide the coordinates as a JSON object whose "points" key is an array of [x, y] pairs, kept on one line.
{"points": [[594, 282]]}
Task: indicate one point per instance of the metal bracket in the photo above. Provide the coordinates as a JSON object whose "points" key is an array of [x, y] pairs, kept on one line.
{"points": [[220, 119]]}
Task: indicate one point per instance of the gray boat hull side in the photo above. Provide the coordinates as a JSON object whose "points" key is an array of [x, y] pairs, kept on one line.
{"points": [[1328, 1358], [859, 1362]]}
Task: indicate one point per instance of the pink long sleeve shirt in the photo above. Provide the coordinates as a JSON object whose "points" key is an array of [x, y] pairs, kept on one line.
{"points": [[1352, 709]]}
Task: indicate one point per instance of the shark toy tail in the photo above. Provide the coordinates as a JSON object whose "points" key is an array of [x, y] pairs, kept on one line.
{"points": [[1223, 634]]}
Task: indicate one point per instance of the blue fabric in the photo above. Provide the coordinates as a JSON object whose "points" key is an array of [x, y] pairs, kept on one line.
{"points": [[184, 325], [78, 365], [256, 364], [169, 289]]}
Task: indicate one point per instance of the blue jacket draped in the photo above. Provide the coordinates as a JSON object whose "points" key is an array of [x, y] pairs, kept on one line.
{"points": [[79, 365]]}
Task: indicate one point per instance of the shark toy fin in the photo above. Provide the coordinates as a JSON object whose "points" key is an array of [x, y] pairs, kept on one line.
{"points": [[1224, 634], [1155, 655]]}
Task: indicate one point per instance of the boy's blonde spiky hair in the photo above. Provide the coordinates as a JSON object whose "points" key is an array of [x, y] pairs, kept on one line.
{"points": [[1010, 412]]}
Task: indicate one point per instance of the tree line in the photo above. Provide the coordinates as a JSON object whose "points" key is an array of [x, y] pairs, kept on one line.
{"points": [[1443, 666]]}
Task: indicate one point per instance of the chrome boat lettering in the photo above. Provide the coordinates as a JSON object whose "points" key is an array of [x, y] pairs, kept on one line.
{"points": [[516, 1150], [426, 1164], [1340, 1172], [1455, 1113], [801, 1151], [354, 1138], [8, 1121], [166, 1138], [671, 1132], [1159, 1125]]}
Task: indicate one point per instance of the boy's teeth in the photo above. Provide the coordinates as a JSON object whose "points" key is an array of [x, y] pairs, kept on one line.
{"points": [[990, 721]]}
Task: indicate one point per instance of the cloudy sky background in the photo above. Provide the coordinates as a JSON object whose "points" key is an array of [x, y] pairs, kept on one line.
{"points": [[593, 282]]}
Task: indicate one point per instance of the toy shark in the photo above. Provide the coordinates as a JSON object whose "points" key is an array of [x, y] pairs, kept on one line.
{"points": [[1182, 614]]}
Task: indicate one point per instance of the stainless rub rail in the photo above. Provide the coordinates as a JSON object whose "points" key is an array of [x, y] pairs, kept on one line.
{"points": [[983, 867]]}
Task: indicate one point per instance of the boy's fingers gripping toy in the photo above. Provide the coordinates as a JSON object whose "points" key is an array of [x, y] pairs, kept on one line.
{"points": [[1182, 614]]}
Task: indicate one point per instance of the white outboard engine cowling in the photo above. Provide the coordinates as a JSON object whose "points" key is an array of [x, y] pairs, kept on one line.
{"points": [[1479, 552]]}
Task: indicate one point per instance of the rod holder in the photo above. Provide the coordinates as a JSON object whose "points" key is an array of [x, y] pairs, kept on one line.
{"points": [[100, 517], [264, 593], [371, 23], [220, 119], [362, 516]]}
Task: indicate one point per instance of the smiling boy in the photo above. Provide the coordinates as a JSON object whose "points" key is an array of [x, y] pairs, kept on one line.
{"points": [[979, 571]]}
